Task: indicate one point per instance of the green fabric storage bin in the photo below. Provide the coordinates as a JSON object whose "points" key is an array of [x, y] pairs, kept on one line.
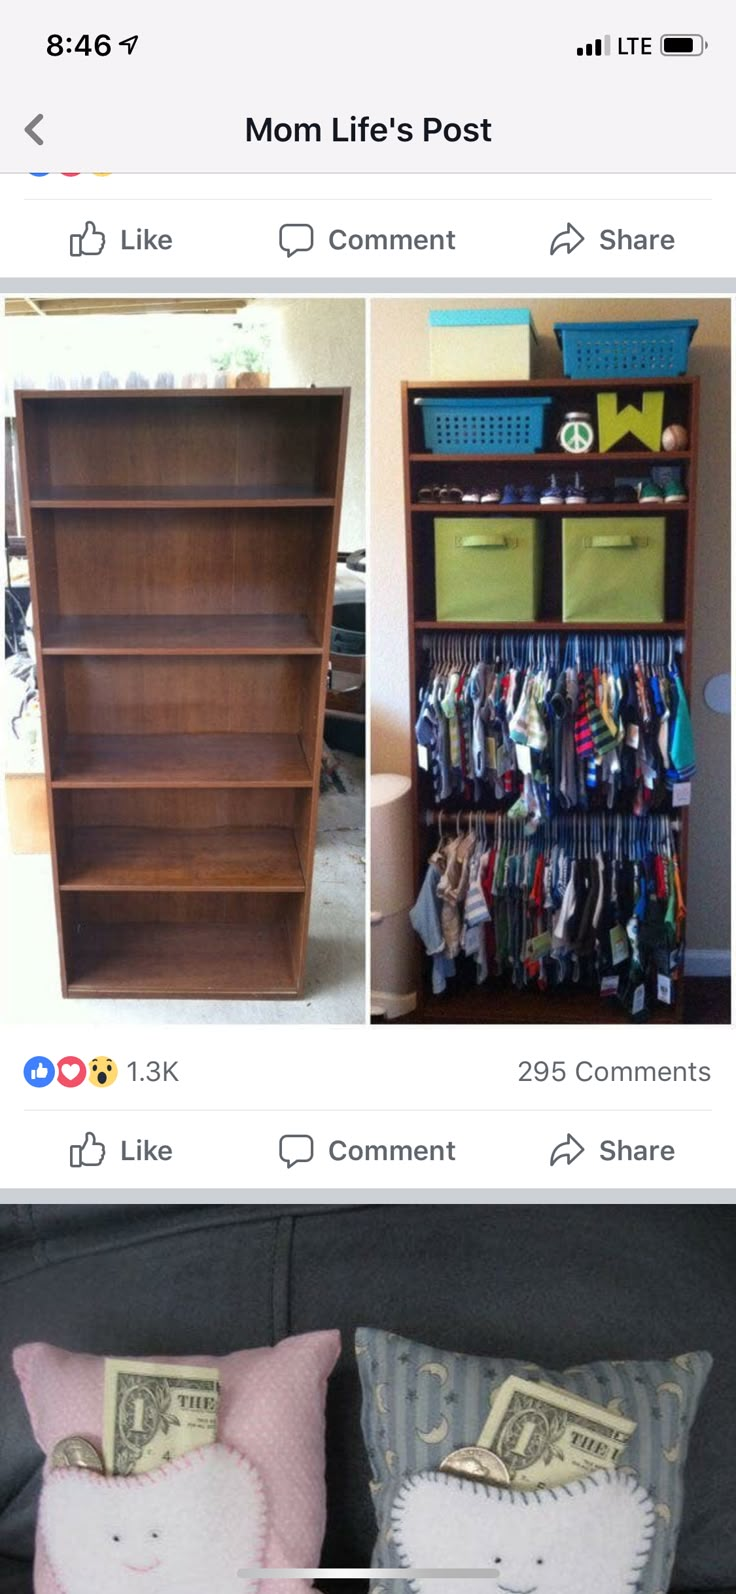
{"points": [[487, 568], [613, 568]]}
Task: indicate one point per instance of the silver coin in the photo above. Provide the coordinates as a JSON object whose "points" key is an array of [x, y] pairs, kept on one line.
{"points": [[76, 1452], [473, 1461]]}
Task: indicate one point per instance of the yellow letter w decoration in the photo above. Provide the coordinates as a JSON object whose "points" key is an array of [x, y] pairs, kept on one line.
{"points": [[644, 424]]}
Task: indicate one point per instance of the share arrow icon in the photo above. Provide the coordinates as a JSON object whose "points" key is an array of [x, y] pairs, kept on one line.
{"points": [[568, 1151], [570, 239]]}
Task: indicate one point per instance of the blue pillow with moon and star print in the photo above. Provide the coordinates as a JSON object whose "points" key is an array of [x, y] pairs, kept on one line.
{"points": [[420, 1403]]}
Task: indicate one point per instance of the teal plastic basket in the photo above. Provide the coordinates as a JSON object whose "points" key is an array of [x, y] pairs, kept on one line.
{"points": [[625, 348], [484, 425]]}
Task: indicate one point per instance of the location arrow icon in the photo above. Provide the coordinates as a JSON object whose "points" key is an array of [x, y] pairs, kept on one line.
{"points": [[30, 128], [569, 239], [568, 1151]]}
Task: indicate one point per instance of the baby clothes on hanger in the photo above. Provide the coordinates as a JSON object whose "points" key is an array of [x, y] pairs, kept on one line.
{"points": [[593, 901], [607, 726], [681, 763], [425, 919]]}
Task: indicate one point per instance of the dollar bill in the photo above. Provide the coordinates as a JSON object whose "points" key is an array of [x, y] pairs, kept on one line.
{"points": [[545, 1436], [155, 1413]]}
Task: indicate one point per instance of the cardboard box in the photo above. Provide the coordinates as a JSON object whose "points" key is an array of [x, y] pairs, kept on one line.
{"points": [[28, 820], [482, 345]]}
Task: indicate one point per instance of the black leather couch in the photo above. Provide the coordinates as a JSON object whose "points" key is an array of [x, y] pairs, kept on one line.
{"points": [[556, 1284]]}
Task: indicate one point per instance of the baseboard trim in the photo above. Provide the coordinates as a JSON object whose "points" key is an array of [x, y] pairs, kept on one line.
{"points": [[708, 963]]}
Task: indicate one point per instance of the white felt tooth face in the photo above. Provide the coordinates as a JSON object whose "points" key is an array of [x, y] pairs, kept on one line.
{"points": [[588, 1537], [190, 1528]]}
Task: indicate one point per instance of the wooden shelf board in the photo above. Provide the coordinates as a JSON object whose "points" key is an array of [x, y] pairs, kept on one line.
{"points": [[136, 858], [560, 383], [549, 509], [550, 625], [182, 960], [178, 396], [180, 634], [275, 496], [497, 1003], [195, 760], [572, 461]]}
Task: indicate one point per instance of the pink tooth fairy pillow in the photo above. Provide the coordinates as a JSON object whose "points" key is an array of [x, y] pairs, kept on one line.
{"points": [[270, 1457]]}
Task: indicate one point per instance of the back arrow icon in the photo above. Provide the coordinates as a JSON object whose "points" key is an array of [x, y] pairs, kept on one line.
{"points": [[568, 1151], [569, 239], [30, 128]]}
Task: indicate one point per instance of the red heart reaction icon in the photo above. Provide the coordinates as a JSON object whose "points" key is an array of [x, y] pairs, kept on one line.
{"points": [[71, 1072]]}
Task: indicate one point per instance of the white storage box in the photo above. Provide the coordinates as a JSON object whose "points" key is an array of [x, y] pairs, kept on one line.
{"points": [[392, 867], [393, 947], [393, 966], [482, 345]]}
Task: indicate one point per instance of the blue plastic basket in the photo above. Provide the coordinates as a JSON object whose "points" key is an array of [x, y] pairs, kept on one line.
{"points": [[625, 348], [484, 425]]}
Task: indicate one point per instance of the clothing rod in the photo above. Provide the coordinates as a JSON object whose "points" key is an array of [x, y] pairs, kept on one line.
{"points": [[432, 817], [554, 639]]}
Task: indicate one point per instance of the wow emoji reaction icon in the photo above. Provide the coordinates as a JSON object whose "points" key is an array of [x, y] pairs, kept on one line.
{"points": [[102, 1072]]}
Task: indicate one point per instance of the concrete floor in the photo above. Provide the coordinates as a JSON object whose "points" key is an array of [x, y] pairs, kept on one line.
{"points": [[335, 984]]}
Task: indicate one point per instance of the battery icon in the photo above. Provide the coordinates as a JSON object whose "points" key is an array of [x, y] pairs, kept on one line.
{"points": [[682, 44]]}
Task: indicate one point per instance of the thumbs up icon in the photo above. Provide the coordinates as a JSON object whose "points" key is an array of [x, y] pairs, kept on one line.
{"points": [[39, 1072], [89, 242], [88, 1155]]}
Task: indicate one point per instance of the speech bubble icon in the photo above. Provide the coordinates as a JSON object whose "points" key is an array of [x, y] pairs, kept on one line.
{"points": [[296, 1148], [296, 237]]}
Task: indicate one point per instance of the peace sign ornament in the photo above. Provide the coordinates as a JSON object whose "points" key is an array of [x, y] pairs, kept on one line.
{"points": [[576, 434]]}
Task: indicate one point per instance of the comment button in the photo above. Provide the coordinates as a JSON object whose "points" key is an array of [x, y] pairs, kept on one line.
{"points": [[296, 237], [296, 1148]]}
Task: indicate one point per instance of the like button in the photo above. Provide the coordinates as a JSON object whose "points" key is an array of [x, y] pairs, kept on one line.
{"points": [[89, 242], [89, 1155], [39, 1072]]}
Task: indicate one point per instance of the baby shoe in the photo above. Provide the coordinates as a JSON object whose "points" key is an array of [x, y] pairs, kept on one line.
{"points": [[675, 493], [510, 494], [650, 493], [529, 494], [552, 493], [575, 492], [491, 495], [624, 494]]}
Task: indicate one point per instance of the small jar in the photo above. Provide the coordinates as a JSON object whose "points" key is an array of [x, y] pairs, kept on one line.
{"points": [[576, 434]]}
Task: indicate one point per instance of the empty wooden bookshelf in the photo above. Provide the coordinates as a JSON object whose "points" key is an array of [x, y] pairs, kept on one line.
{"points": [[182, 548]]}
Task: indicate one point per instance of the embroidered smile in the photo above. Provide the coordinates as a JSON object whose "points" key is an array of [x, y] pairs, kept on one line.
{"points": [[150, 1568]]}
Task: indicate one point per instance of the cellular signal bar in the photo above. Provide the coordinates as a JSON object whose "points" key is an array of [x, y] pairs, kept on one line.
{"points": [[596, 46]]}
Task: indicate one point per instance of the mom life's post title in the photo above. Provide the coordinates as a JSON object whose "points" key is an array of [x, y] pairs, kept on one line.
{"points": [[364, 130]]}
